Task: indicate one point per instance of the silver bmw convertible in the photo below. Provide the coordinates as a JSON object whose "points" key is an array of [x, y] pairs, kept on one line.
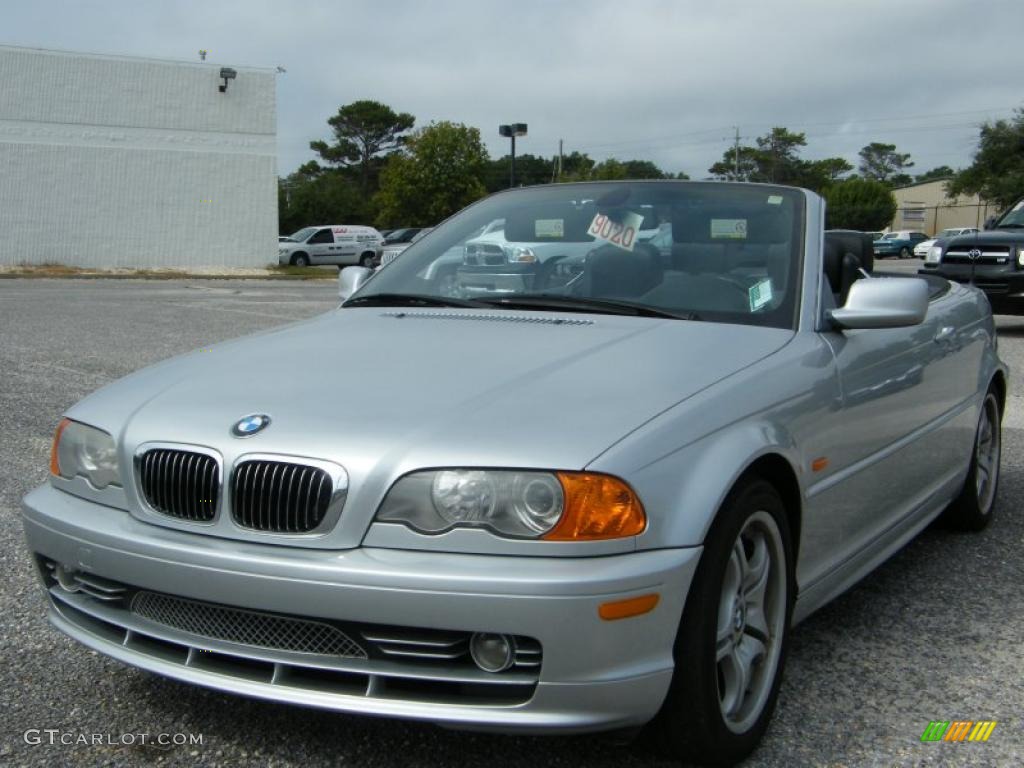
{"points": [[569, 482]]}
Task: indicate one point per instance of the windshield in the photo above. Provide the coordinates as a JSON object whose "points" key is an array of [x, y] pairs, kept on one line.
{"points": [[732, 252], [302, 234], [891, 236], [1013, 217]]}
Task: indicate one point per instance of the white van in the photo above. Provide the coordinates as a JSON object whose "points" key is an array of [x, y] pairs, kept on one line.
{"points": [[339, 244]]}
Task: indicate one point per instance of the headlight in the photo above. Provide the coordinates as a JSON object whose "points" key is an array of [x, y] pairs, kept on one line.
{"points": [[556, 506], [1020, 257], [934, 255], [520, 254], [79, 449]]}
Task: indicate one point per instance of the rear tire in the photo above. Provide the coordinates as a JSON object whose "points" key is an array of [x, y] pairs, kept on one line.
{"points": [[731, 645], [300, 260], [972, 510], [366, 260], [904, 252]]}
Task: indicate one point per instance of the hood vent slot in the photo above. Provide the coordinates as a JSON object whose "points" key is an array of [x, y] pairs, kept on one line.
{"points": [[488, 318]]}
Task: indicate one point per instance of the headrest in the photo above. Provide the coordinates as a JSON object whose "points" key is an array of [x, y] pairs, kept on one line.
{"points": [[858, 244]]}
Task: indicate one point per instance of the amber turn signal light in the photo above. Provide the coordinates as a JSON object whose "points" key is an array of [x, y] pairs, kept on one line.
{"points": [[54, 463], [597, 507], [624, 609]]}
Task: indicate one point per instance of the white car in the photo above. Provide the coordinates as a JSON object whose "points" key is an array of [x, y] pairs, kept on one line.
{"points": [[921, 249], [335, 244]]}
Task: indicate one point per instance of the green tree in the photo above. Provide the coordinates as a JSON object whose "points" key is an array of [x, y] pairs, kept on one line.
{"points": [[997, 173], [742, 164], [882, 162], [863, 204], [314, 195], [776, 159], [530, 170], [442, 170], [942, 172], [779, 151], [363, 131], [643, 169], [576, 166], [820, 174]]}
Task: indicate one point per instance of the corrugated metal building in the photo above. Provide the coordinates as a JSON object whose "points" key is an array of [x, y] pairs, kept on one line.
{"points": [[111, 161], [926, 207]]}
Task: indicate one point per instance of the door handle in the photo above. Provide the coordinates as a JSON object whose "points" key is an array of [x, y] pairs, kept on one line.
{"points": [[945, 333]]}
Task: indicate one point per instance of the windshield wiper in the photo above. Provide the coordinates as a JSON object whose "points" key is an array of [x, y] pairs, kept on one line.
{"points": [[1010, 226], [408, 300], [584, 304]]}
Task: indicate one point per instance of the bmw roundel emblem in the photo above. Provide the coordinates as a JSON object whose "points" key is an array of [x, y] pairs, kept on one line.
{"points": [[250, 425]]}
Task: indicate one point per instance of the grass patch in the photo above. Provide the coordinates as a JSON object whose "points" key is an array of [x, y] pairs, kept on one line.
{"points": [[323, 273]]}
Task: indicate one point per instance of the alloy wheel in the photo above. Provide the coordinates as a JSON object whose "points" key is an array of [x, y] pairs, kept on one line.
{"points": [[751, 618]]}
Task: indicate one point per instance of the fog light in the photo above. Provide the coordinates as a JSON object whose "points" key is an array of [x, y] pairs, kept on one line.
{"points": [[491, 652]]}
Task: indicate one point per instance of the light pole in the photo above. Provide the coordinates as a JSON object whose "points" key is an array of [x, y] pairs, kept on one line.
{"points": [[512, 130]]}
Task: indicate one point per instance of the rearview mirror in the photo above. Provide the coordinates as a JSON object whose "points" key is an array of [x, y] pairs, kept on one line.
{"points": [[351, 279], [883, 302]]}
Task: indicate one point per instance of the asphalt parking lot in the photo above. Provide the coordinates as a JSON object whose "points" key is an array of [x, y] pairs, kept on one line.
{"points": [[935, 634]]}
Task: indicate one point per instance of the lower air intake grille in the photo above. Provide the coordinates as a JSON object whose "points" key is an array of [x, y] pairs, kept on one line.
{"points": [[182, 484], [280, 497], [234, 625]]}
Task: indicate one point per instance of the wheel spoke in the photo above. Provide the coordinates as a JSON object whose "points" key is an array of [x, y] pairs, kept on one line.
{"points": [[723, 642], [756, 576], [734, 683], [757, 622], [737, 567]]}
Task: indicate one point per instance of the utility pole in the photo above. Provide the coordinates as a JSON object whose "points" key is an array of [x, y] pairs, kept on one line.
{"points": [[736, 153], [559, 159]]}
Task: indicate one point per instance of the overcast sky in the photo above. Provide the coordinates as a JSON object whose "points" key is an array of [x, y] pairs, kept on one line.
{"points": [[662, 80]]}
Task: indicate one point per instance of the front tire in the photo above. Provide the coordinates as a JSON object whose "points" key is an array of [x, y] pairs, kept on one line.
{"points": [[731, 646], [972, 510], [366, 260], [300, 260]]}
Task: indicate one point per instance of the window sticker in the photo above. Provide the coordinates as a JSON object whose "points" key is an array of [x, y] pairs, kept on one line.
{"points": [[549, 228], [774, 199], [760, 293], [729, 229], [621, 234]]}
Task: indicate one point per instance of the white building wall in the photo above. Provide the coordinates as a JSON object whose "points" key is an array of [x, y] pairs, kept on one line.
{"points": [[118, 162]]}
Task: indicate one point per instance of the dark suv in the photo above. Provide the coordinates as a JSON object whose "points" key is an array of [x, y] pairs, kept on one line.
{"points": [[992, 260]]}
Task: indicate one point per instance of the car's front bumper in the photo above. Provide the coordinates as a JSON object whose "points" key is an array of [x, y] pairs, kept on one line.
{"points": [[1004, 286], [595, 674]]}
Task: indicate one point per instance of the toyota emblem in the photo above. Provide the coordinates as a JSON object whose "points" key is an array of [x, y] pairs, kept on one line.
{"points": [[974, 253]]}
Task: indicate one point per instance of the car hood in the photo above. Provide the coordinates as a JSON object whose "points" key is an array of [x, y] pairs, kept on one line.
{"points": [[385, 391], [995, 236]]}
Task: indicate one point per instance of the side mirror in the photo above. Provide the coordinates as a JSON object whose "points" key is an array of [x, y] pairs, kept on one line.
{"points": [[883, 302], [351, 279], [990, 222]]}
